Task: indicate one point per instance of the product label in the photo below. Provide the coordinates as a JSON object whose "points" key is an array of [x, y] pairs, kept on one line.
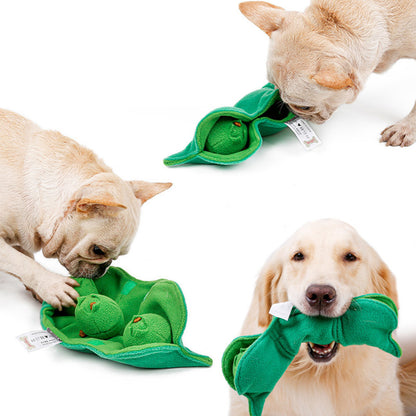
{"points": [[36, 340], [307, 137], [281, 310]]}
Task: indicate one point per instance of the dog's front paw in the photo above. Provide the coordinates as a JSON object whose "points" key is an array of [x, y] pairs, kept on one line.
{"points": [[403, 133], [58, 291]]}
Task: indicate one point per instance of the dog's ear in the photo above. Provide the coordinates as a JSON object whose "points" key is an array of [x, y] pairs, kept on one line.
{"points": [[264, 15], [146, 190], [383, 281], [265, 289], [99, 203], [99, 195], [334, 78]]}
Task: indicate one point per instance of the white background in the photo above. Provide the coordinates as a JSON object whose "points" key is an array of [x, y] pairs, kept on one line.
{"points": [[131, 79]]}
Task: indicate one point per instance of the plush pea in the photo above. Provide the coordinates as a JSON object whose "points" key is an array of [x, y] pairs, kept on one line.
{"points": [[227, 136], [99, 316], [147, 328], [86, 287]]}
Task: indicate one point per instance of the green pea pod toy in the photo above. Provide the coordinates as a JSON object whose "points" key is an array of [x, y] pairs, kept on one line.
{"points": [[229, 135], [130, 321], [252, 365]]}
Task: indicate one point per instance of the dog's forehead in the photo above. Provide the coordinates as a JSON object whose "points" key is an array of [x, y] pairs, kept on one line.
{"points": [[330, 234]]}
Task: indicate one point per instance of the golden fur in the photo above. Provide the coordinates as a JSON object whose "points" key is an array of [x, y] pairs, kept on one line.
{"points": [[359, 380], [58, 197], [321, 58]]}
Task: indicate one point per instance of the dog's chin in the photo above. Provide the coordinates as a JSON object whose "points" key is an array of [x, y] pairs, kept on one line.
{"points": [[89, 270], [322, 354]]}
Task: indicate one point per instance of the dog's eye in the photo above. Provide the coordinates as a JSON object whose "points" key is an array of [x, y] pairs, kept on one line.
{"points": [[350, 257], [298, 256], [302, 108], [97, 251]]}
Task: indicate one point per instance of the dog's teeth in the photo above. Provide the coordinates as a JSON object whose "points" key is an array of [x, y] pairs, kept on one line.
{"points": [[320, 351]]}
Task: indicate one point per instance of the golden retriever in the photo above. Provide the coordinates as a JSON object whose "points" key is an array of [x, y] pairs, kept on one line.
{"points": [[321, 58], [320, 269]]}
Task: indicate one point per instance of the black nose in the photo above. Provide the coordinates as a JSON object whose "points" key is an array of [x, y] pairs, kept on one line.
{"points": [[320, 296]]}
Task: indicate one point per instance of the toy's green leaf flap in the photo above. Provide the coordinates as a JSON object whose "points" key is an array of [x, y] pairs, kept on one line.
{"points": [[233, 354], [163, 297], [262, 111]]}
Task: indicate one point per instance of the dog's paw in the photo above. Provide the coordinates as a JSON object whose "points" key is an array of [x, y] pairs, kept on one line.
{"points": [[403, 133], [34, 294], [58, 291]]}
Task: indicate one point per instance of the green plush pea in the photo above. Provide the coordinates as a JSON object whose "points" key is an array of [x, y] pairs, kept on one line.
{"points": [[99, 316], [86, 287], [227, 136], [147, 328]]}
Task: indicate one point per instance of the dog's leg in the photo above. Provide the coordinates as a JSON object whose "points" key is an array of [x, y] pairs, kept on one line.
{"points": [[55, 289], [403, 133], [26, 253]]}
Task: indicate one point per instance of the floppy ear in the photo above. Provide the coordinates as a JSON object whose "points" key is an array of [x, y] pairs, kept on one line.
{"points": [[266, 295], [383, 281], [146, 190], [99, 203], [98, 196], [334, 79], [264, 15]]}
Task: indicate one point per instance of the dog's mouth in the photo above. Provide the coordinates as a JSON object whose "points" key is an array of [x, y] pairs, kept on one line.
{"points": [[90, 270], [307, 115], [322, 353]]}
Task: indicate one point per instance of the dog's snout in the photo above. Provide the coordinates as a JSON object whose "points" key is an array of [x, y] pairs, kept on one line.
{"points": [[320, 296]]}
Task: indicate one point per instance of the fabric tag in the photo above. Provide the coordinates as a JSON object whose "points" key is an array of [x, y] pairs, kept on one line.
{"points": [[307, 137], [36, 340], [281, 310]]}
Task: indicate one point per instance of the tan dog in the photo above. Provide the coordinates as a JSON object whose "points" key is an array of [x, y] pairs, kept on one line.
{"points": [[320, 269], [321, 58], [58, 197]]}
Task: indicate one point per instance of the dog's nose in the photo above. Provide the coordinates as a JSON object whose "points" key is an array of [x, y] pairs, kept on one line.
{"points": [[320, 296]]}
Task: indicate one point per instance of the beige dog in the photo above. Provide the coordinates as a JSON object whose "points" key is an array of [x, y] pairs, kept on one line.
{"points": [[58, 197], [321, 58], [320, 269]]}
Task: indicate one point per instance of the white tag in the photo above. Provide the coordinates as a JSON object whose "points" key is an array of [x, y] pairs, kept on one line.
{"points": [[307, 137], [281, 310], [35, 340]]}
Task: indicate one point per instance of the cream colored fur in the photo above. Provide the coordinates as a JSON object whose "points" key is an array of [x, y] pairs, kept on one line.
{"points": [[359, 380], [321, 58], [58, 197]]}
